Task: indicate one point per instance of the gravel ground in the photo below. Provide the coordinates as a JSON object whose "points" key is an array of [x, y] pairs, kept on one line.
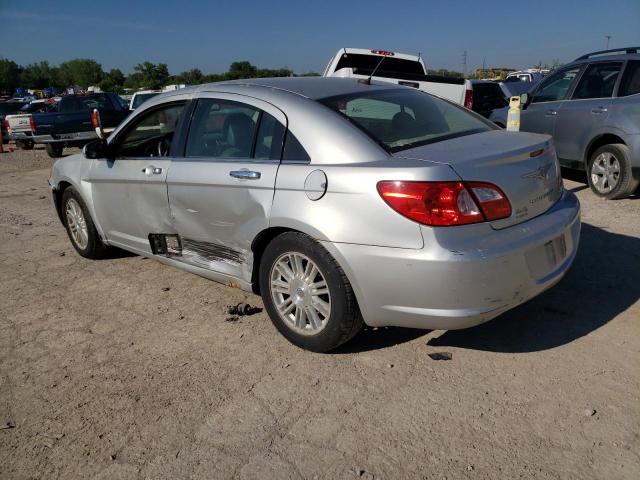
{"points": [[126, 369]]}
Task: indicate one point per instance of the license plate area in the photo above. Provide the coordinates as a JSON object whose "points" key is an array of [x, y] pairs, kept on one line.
{"points": [[545, 258]]}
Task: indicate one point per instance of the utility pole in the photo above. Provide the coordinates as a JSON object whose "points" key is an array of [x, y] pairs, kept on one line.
{"points": [[464, 63], [608, 37]]}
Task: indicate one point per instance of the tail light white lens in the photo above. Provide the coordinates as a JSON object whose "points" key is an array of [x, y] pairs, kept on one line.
{"points": [[445, 203]]}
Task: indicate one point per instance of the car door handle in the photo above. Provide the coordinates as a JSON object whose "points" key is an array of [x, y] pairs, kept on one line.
{"points": [[550, 113], [245, 174], [598, 110], [151, 170]]}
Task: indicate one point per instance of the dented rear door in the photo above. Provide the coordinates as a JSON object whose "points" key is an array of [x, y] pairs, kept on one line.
{"points": [[221, 189]]}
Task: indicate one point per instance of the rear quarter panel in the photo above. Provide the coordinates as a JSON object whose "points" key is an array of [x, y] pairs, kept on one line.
{"points": [[351, 211]]}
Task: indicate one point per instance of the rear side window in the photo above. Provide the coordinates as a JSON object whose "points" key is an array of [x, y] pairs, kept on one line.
{"points": [[227, 129], [630, 84], [294, 152], [598, 81], [401, 119], [389, 68]]}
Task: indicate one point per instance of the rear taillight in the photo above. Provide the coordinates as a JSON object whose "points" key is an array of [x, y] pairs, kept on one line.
{"points": [[468, 99], [32, 124], [443, 204], [95, 118], [6, 124]]}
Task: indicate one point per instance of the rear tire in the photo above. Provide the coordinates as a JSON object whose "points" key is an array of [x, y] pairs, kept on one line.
{"points": [[80, 227], [307, 295], [25, 144], [609, 172], [54, 150]]}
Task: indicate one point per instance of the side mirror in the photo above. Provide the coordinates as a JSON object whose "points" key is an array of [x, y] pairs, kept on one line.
{"points": [[524, 100], [96, 149], [97, 123]]}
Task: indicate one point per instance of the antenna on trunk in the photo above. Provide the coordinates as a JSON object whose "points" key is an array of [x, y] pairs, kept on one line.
{"points": [[368, 80]]}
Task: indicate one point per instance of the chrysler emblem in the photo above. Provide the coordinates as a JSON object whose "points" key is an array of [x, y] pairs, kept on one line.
{"points": [[541, 173]]}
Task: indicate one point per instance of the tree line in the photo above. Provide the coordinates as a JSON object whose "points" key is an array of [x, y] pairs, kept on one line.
{"points": [[85, 72]]}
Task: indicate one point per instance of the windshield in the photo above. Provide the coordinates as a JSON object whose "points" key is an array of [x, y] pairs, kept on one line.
{"points": [[140, 98], [402, 119]]}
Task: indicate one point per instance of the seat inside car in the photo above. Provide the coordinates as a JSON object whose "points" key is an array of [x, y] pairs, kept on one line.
{"points": [[238, 133]]}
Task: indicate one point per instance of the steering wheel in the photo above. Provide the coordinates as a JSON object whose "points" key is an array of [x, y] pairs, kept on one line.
{"points": [[163, 146]]}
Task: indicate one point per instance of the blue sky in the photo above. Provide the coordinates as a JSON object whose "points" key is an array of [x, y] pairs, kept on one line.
{"points": [[209, 35]]}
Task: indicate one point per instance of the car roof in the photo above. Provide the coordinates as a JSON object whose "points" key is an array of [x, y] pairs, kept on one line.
{"points": [[310, 87]]}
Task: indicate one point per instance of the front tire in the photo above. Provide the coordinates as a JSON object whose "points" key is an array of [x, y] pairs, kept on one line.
{"points": [[54, 150], [307, 295], [80, 227], [609, 172]]}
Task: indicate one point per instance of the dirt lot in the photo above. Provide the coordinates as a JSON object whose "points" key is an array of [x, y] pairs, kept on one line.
{"points": [[126, 369]]}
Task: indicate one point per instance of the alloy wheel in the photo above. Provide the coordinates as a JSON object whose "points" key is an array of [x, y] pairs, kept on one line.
{"points": [[300, 293], [605, 172], [77, 224]]}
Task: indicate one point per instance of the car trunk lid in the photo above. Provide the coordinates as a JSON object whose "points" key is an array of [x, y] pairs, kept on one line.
{"points": [[523, 165]]}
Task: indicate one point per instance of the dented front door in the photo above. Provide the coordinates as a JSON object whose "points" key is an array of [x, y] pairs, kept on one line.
{"points": [[221, 190]]}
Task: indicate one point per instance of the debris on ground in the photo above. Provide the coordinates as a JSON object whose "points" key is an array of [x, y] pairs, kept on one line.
{"points": [[166, 289], [232, 319], [243, 309], [441, 356], [7, 425], [589, 412]]}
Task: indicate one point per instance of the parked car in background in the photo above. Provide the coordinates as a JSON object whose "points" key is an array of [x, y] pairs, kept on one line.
{"points": [[532, 75], [340, 202], [400, 69], [19, 125], [70, 123], [7, 108], [487, 96], [591, 107], [139, 98]]}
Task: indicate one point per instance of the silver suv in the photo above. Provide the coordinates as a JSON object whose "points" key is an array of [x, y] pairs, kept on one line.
{"points": [[592, 108]]}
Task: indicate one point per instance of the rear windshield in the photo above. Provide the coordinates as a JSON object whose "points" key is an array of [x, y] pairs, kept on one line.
{"points": [[402, 119], [77, 103], [389, 68], [140, 98]]}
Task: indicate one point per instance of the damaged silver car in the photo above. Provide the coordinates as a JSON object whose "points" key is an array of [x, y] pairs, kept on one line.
{"points": [[340, 202]]}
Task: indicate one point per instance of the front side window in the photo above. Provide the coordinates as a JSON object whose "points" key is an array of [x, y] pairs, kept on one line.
{"points": [[556, 87], [598, 81], [401, 119], [630, 84], [151, 135], [227, 129]]}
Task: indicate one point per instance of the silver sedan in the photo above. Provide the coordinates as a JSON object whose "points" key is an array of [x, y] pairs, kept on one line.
{"points": [[341, 202]]}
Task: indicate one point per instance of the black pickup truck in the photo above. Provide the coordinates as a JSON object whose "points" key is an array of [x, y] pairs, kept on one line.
{"points": [[70, 124]]}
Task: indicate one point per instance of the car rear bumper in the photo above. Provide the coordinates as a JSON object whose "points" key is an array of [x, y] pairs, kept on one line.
{"points": [[21, 136], [464, 275], [66, 137]]}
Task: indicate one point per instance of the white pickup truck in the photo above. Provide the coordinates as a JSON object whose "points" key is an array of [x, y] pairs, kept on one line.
{"points": [[399, 68]]}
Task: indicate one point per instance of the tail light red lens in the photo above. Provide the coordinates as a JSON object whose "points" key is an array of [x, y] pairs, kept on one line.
{"points": [[32, 124], [468, 99], [6, 124], [444, 204]]}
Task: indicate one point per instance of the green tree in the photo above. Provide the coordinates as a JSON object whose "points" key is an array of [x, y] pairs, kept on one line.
{"points": [[241, 69], [40, 75], [81, 71], [9, 75], [152, 76]]}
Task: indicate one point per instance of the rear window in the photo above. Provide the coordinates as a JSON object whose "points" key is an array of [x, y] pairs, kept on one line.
{"points": [[402, 119], [389, 68], [79, 103], [140, 98], [488, 96]]}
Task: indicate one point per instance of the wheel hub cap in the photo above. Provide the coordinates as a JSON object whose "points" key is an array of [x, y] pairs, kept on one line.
{"points": [[300, 293]]}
